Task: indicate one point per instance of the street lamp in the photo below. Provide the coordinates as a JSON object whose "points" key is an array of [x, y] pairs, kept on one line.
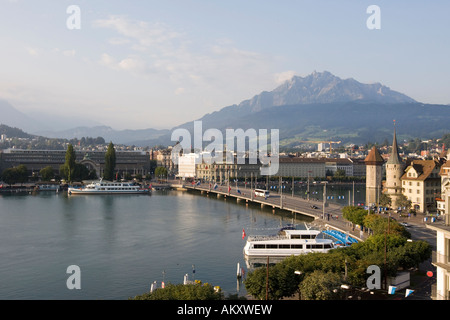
{"points": [[297, 272]]}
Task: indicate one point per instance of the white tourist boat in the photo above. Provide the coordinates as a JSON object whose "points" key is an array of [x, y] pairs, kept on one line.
{"points": [[109, 187], [288, 242]]}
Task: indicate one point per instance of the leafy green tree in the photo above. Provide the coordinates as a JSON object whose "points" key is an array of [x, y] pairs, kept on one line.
{"points": [[197, 291], [69, 164], [160, 172], [379, 225], [10, 176], [385, 200], [110, 162], [349, 263], [22, 173], [320, 285], [80, 172], [47, 173], [402, 201], [339, 174], [354, 214]]}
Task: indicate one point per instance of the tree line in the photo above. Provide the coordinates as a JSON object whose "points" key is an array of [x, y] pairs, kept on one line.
{"points": [[71, 170]]}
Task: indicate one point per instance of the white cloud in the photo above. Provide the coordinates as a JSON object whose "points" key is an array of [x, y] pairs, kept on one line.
{"points": [[284, 76], [179, 91], [157, 48], [107, 60], [32, 51], [69, 53]]}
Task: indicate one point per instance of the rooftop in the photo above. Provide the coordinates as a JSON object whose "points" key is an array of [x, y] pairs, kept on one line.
{"points": [[374, 157]]}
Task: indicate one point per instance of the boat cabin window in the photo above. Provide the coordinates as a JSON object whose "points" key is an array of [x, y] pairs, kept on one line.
{"points": [[318, 246], [303, 236], [278, 246]]}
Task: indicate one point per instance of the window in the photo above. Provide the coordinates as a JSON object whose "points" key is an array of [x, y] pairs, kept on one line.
{"points": [[259, 246], [447, 249], [297, 246]]}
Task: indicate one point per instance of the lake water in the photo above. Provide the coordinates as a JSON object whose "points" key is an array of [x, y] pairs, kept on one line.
{"points": [[123, 243]]}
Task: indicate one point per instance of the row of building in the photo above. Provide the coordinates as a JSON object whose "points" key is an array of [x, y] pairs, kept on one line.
{"points": [[190, 167], [132, 162], [420, 181]]}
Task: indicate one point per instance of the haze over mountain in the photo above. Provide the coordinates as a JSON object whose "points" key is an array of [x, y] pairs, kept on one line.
{"points": [[38, 122], [322, 87], [318, 106], [322, 106], [319, 88]]}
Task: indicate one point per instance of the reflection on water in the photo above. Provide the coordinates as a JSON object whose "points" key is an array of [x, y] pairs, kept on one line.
{"points": [[122, 243]]}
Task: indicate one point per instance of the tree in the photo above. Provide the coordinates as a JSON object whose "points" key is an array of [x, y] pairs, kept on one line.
{"points": [[320, 285], [69, 164], [10, 176], [196, 291], [47, 173], [22, 173], [402, 201], [339, 174], [281, 282], [385, 200], [160, 172], [354, 214], [110, 162], [380, 225]]}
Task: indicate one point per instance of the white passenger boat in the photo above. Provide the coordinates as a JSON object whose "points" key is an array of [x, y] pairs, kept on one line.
{"points": [[288, 242], [109, 187]]}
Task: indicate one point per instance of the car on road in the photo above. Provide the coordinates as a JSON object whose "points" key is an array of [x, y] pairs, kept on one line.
{"points": [[404, 224]]}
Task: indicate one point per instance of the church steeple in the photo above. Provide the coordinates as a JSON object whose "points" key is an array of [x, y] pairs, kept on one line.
{"points": [[394, 173], [394, 158]]}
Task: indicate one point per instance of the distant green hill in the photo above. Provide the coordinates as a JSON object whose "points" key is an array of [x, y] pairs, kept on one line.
{"points": [[11, 132]]}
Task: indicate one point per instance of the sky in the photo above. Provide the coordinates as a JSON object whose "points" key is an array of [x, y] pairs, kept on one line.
{"points": [[157, 64]]}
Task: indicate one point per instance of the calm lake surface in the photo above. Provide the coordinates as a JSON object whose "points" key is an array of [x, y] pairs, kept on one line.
{"points": [[123, 243]]}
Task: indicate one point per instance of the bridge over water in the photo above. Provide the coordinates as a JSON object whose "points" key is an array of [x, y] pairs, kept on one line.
{"points": [[328, 216]]}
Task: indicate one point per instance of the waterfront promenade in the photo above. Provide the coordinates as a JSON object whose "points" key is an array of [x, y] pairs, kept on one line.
{"points": [[331, 217]]}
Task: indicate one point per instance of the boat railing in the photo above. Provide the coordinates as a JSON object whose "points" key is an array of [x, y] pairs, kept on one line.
{"points": [[266, 237]]}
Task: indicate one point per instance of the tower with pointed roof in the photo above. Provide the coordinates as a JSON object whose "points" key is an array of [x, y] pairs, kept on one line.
{"points": [[394, 171], [374, 165]]}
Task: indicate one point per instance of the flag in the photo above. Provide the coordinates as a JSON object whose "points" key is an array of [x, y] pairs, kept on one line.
{"points": [[215, 186], [229, 189], [392, 289], [243, 234], [239, 191], [198, 183], [408, 292], [162, 285]]}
